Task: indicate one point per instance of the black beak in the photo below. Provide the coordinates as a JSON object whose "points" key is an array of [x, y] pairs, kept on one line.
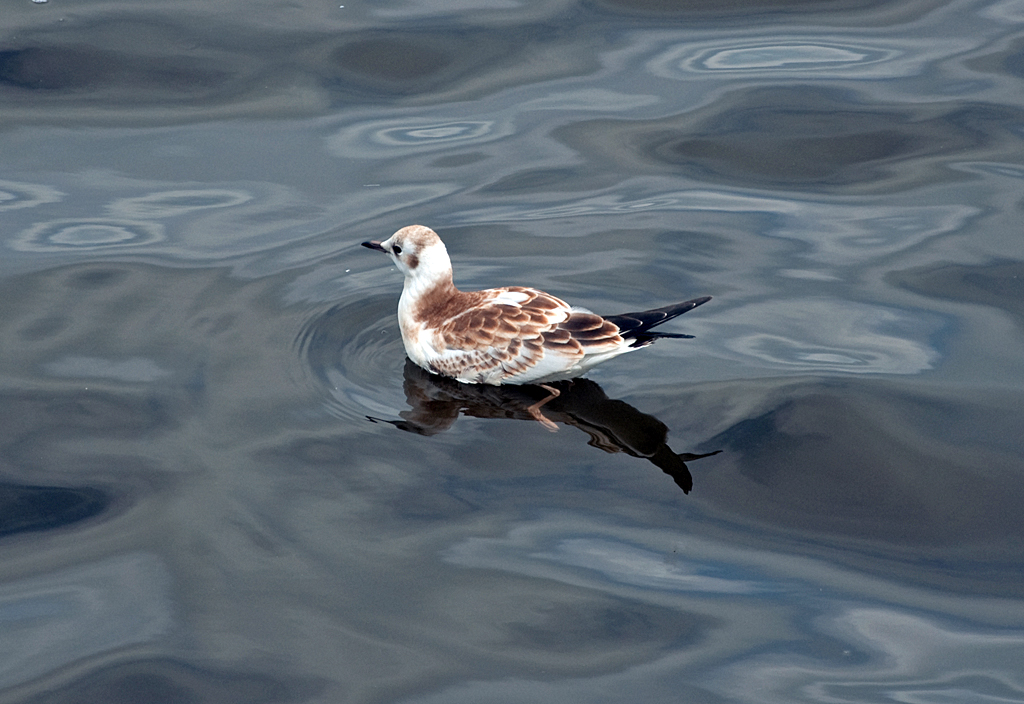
{"points": [[374, 244]]}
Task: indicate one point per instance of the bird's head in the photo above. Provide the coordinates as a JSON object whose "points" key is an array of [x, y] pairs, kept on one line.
{"points": [[417, 251]]}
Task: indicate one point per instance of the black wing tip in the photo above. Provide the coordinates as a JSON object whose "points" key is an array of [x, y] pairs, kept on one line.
{"points": [[685, 306], [675, 335], [638, 325]]}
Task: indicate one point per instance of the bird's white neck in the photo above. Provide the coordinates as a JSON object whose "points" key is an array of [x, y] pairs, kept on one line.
{"points": [[420, 292]]}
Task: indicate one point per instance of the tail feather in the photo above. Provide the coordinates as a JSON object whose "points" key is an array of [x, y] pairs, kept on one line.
{"points": [[637, 326]]}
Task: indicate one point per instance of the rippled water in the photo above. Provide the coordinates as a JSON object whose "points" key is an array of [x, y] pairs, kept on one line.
{"points": [[220, 481]]}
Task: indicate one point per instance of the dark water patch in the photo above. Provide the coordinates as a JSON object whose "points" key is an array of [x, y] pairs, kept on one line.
{"points": [[806, 138], [112, 313], [38, 428], [709, 9], [1007, 62], [400, 59], [428, 64], [85, 68], [26, 509], [458, 160], [169, 681], [96, 278], [546, 180], [140, 67], [590, 629], [122, 351], [42, 328], [157, 69], [1000, 284], [90, 412], [898, 468]]}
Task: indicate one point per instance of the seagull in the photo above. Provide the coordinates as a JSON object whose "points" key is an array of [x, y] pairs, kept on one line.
{"points": [[509, 335]]}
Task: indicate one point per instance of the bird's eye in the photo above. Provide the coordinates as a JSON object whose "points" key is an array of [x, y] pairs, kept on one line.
{"points": [[396, 249]]}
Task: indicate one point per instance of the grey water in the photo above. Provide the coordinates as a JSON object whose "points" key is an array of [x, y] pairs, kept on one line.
{"points": [[220, 480]]}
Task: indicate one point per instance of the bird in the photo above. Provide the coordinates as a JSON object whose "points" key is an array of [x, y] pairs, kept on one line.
{"points": [[507, 335]]}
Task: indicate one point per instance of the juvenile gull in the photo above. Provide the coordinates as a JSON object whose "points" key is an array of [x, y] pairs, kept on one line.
{"points": [[509, 335]]}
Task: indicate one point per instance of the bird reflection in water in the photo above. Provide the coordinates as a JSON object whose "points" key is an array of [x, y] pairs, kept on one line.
{"points": [[613, 426]]}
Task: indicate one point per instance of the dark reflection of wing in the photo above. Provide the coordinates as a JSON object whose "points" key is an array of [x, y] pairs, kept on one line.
{"points": [[613, 426]]}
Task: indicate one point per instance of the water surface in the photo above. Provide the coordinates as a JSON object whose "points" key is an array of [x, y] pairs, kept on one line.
{"points": [[221, 482]]}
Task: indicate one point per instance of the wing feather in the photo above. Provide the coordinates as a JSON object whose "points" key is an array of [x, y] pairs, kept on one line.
{"points": [[503, 334], [582, 322], [592, 332], [520, 332]]}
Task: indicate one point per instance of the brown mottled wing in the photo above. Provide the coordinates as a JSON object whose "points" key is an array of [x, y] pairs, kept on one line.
{"points": [[588, 331], [501, 332]]}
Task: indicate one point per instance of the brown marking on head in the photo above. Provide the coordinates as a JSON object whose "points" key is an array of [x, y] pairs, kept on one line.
{"points": [[416, 235], [409, 244]]}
